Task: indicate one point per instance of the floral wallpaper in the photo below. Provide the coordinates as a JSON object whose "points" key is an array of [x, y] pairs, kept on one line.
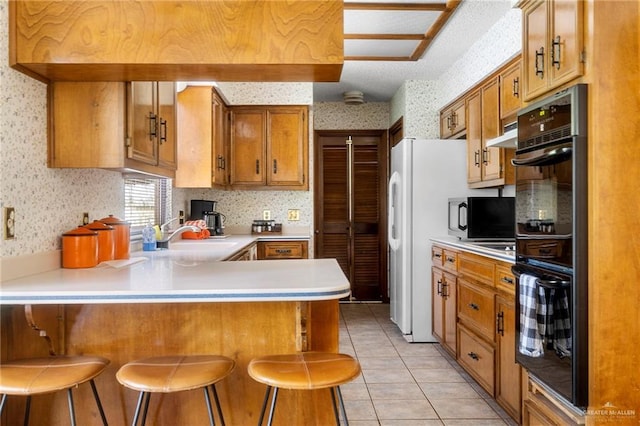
{"points": [[47, 202]]}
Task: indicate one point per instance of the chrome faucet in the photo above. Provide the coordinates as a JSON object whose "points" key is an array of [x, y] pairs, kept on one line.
{"points": [[163, 242], [163, 227]]}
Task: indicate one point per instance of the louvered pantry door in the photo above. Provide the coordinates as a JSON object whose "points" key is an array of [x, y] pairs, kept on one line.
{"points": [[350, 209]]}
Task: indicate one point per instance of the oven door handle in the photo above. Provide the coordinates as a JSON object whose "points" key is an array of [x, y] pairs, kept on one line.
{"points": [[552, 156], [517, 270]]}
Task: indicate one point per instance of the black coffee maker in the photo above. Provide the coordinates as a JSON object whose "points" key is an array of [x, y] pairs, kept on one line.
{"points": [[206, 210], [200, 207]]}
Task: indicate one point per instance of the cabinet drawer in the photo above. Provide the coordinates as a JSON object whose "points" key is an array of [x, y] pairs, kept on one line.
{"points": [[437, 256], [450, 260], [504, 279], [476, 267], [282, 250], [478, 358], [476, 308]]}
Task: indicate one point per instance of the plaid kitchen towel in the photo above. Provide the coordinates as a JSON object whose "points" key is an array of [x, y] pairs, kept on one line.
{"points": [[561, 322], [530, 338]]}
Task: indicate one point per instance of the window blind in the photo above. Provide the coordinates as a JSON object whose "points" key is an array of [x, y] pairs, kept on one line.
{"points": [[147, 200]]}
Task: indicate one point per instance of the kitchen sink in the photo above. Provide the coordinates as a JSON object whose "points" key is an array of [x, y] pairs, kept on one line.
{"points": [[202, 245]]}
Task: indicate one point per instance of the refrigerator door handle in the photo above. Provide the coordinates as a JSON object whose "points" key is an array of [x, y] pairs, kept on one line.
{"points": [[392, 227]]}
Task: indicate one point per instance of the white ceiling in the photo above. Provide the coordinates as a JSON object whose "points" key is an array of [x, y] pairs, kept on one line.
{"points": [[392, 36]]}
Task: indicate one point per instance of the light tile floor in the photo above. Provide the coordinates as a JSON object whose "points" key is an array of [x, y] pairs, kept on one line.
{"points": [[407, 384]]}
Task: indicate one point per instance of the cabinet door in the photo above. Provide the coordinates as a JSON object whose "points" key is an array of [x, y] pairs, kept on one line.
{"points": [[535, 49], [508, 374], [510, 99], [88, 124], [143, 122], [437, 311], [449, 294], [474, 138], [491, 156], [286, 146], [565, 31], [219, 135], [167, 155], [194, 137], [247, 146]]}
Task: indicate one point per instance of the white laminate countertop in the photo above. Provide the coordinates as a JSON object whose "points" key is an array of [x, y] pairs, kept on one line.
{"points": [[190, 271], [503, 255]]}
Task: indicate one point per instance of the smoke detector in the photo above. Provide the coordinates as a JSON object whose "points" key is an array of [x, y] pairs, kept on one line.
{"points": [[353, 97]]}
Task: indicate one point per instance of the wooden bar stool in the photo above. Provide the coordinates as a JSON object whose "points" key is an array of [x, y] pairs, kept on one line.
{"points": [[168, 374], [304, 371], [36, 376]]}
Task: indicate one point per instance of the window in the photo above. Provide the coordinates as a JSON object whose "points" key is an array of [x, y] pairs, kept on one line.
{"points": [[146, 200]]}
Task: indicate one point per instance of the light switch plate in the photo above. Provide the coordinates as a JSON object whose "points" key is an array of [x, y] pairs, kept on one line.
{"points": [[293, 214]]}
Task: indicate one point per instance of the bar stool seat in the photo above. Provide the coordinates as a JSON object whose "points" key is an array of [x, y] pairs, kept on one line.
{"points": [[35, 376], [168, 374], [304, 371]]}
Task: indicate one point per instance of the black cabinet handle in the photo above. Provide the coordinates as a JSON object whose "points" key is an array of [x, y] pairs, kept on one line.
{"points": [[153, 125], [257, 167], [163, 130], [474, 306], [473, 356], [445, 289], [540, 60], [516, 87], [275, 166], [507, 280], [500, 323], [439, 288], [555, 57]]}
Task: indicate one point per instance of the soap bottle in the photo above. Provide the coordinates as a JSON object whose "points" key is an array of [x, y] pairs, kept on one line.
{"points": [[149, 238]]}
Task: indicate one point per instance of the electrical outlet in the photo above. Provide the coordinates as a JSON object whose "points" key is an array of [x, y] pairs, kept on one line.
{"points": [[85, 218], [266, 215], [9, 223], [293, 214]]}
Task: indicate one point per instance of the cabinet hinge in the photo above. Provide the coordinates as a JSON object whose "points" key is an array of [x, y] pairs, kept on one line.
{"points": [[127, 142], [583, 56]]}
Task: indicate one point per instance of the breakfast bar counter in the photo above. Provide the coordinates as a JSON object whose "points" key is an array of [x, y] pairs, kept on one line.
{"points": [[177, 301]]}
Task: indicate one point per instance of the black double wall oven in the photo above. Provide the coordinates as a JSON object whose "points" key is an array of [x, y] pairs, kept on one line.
{"points": [[551, 243]]}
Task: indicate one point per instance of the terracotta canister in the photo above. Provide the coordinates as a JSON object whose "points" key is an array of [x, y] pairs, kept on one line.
{"points": [[106, 247], [121, 236], [80, 248]]}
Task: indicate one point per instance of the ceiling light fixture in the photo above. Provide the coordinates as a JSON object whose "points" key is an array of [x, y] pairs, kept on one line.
{"points": [[353, 97]]}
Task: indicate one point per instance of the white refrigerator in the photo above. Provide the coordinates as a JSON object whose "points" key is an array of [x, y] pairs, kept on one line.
{"points": [[424, 175]]}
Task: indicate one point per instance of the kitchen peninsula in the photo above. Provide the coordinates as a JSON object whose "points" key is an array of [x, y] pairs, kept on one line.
{"points": [[177, 301]]}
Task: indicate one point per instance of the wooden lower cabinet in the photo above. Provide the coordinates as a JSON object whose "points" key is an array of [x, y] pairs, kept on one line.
{"points": [[268, 250], [542, 409], [247, 253], [122, 332], [482, 316]]}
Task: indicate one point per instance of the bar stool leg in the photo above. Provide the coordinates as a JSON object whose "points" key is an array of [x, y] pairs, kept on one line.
{"points": [[209, 409], [344, 412], [335, 405], [273, 406], [72, 412], [143, 398], [218, 407], [27, 408], [4, 399], [97, 398], [264, 405]]}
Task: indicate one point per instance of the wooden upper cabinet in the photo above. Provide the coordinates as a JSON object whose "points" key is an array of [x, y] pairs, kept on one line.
{"points": [[453, 120], [107, 125], [552, 44], [151, 135], [230, 40], [201, 115], [486, 166], [474, 138], [248, 141], [510, 93], [492, 162], [269, 147], [287, 131]]}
